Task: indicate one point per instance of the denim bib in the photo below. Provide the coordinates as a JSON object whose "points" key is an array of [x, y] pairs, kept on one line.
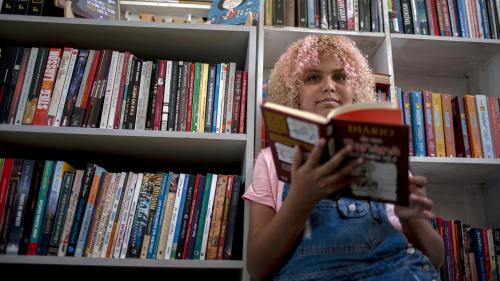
{"points": [[352, 239]]}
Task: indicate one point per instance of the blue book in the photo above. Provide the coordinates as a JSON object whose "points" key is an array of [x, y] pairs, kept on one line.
{"points": [[216, 98], [20, 207], [418, 125], [477, 241], [158, 217], [235, 12], [310, 14], [399, 16], [462, 16], [74, 86]]}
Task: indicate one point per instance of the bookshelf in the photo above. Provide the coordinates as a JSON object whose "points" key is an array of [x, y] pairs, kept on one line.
{"points": [[462, 188], [137, 150]]}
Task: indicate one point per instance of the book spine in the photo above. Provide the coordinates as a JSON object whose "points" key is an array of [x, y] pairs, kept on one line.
{"points": [[45, 95], [448, 125], [494, 112], [438, 125], [473, 126], [429, 123], [484, 126], [408, 119], [417, 117]]}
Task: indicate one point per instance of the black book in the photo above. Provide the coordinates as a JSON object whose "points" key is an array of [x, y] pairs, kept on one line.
{"points": [[185, 217], [172, 105]]}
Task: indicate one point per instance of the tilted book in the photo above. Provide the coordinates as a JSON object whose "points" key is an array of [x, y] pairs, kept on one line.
{"points": [[375, 131]]}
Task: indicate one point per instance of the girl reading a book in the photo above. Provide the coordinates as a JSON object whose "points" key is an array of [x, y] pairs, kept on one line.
{"points": [[299, 231]]}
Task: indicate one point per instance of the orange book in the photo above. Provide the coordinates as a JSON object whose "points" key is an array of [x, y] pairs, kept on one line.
{"points": [[215, 224], [225, 216], [473, 127], [438, 125], [49, 78], [494, 112], [449, 135]]}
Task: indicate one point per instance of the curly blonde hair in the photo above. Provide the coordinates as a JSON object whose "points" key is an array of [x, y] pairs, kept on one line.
{"points": [[285, 80]]}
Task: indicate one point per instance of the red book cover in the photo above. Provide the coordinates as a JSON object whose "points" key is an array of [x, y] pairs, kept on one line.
{"points": [[494, 112], [49, 78], [432, 17], [121, 92], [486, 252], [429, 123], [19, 86], [4, 186], [462, 145], [159, 95], [190, 98], [374, 130], [243, 105]]}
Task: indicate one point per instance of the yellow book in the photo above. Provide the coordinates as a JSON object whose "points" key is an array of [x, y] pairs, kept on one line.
{"points": [[202, 98], [437, 111]]}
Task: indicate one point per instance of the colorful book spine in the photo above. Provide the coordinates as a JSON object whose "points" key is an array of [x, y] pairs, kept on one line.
{"points": [[418, 125], [438, 125]]}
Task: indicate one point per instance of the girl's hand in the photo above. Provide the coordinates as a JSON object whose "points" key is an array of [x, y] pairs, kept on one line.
{"points": [[420, 206], [312, 181]]}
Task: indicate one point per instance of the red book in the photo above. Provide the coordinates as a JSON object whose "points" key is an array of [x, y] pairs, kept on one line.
{"points": [[494, 112], [429, 123], [243, 105], [162, 65], [19, 86], [432, 17], [4, 186], [185, 253], [190, 97], [49, 78], [123, 81], [462, 145]]}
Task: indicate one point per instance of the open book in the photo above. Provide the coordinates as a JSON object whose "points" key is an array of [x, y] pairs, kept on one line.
{"points": [[375, 131]]}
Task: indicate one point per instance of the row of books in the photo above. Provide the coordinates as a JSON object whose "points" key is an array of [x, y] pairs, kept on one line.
{"points": [[117, 90], [443, 125], [352, 15], [50, 208], [31, 8], [457, 18], [470, 253]]}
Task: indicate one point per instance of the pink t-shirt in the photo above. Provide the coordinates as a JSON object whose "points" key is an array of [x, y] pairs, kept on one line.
{"points": [[267, 189]]}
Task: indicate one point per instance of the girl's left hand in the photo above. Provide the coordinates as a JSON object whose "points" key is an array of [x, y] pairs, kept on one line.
{"points": [[420, 206]]}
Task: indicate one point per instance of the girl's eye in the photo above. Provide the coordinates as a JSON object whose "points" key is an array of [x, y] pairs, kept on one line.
{"points": [[313, 78], [339, 77]]}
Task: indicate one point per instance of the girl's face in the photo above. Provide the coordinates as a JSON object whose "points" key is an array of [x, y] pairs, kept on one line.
{"points": [[325, 87]]}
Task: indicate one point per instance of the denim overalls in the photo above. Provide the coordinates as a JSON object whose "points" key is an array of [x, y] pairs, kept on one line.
{"points": [[352, 239]]}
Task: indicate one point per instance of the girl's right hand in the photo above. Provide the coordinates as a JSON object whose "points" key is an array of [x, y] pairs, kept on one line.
{"points": [[313, 181]]}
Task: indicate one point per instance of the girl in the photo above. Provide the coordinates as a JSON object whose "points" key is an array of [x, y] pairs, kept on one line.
{"points": [[308, 237]]}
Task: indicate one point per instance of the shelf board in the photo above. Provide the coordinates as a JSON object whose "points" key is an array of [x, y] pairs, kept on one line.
{"points": [[277, 40], [100, 262], [176, 147], [440, 56], [460, 171], [165, 8], [193, 42]]}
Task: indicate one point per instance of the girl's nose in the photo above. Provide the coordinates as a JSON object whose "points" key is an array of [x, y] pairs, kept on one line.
{"points": [[329, 85]]}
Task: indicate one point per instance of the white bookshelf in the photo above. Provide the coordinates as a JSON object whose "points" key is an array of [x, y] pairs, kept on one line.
{"points": [[461, 188]]}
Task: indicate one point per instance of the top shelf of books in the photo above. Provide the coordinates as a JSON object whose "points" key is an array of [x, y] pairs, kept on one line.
{"points": [[194, 42]]}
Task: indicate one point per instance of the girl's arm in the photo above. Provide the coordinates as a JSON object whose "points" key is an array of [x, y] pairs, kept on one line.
{"points": [[415, 222], [272, 235]]}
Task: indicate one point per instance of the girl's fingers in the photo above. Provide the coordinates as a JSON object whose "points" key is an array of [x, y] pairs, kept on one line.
{"points": [[297, 158], [417, 180], [334, 162], [421, 202], [342, 173], [315, 156]]}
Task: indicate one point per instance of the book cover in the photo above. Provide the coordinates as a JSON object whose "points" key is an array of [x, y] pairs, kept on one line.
{"points": [[237, 12], [375, 131]]}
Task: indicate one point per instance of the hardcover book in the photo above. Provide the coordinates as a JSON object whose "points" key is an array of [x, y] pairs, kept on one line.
{"points": [[375, 131], [236, 12]]}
